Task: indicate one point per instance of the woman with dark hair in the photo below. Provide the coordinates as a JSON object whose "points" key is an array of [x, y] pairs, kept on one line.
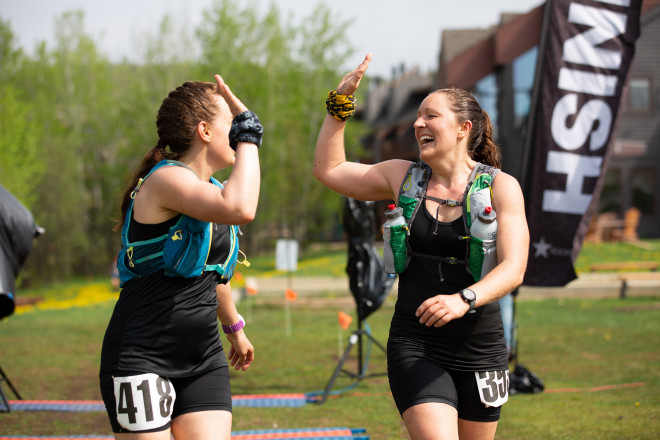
{"points": [[163, 370], [447, 358]]}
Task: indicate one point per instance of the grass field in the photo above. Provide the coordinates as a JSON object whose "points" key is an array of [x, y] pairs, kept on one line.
{"points": [[598, 359]]}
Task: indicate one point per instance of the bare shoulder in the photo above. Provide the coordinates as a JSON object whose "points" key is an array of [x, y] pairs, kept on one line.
{"points": [[505, 182], [379, 181], [394, 170], [394, 167], [170, 180], [507, 193]]}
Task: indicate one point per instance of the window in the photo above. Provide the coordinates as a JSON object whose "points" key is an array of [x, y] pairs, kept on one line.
{"points": [[643, 182], [524, 69], [638, 97], [485, 92]]}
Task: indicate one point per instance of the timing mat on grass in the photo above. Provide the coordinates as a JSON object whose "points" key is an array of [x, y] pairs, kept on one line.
{"points": [[261, 434], [255, 401]]}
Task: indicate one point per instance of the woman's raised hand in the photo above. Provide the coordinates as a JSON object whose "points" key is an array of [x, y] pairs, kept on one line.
{"points": [[349, 84], [235, 105]]}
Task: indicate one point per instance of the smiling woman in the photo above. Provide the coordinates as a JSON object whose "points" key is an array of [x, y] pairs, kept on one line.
{"points": [[447, 358]]}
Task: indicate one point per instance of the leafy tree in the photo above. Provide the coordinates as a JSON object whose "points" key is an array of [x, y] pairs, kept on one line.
{"points": [[282, 72], [21, 165]]}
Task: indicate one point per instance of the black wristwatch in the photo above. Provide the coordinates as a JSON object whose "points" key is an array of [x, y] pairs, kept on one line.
{"points": [[469, 297]]}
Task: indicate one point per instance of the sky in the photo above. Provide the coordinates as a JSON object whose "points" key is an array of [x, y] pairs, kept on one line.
{"points": [[397, 32]]}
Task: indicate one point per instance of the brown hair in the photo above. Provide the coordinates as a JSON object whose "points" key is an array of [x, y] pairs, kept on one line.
{"points": [[177, 120], [481, 146]]}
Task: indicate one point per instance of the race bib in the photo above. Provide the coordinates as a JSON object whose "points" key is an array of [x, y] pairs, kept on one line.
{"points": [[144, 401], [493, 387]]}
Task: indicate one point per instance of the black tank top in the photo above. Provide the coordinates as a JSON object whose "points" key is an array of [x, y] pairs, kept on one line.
{"points": [[474, 342], [167, 325]]}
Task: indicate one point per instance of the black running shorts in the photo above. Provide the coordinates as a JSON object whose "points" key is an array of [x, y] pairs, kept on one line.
{"points": [[419, 382], [204, 392]]}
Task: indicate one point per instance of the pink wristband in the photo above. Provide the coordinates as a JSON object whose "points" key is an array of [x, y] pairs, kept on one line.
{"points": [[228, 329]]}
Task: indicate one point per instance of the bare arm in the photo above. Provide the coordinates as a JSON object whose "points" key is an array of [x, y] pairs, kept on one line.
{"points": [[241, 192], [241, 354], [355, 180], [512, 242]]}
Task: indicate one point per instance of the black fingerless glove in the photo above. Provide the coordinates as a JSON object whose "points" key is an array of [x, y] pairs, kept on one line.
{"points": [[245, 127]]}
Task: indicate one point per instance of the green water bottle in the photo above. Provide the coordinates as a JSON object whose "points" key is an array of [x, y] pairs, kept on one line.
{"points": [[394, 240]]}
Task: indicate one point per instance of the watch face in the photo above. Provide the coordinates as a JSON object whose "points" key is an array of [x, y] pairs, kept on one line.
{"points": [[469, 295]]}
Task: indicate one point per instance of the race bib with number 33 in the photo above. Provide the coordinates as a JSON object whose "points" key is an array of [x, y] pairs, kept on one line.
{"points": [[143, 401], [493, 387]]}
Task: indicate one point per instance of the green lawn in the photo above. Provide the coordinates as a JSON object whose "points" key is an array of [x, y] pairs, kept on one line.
{"points": [[598, 359]]}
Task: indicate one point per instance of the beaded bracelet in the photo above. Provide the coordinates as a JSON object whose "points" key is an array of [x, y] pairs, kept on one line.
{"points": [[340, 107]]}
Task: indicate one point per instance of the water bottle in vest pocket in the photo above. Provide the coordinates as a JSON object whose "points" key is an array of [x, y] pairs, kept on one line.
{"points": [[483, 234], [394, 240]]}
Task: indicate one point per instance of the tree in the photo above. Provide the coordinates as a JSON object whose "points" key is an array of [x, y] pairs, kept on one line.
{"points": [[282, 72], [21, 165]]}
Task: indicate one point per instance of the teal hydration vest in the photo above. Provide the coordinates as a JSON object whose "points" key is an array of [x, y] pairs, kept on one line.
{"points": [[478, 194], [182, 252]]}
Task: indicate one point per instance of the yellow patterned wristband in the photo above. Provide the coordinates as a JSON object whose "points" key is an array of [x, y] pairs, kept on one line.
{"points": [[340, 107]]}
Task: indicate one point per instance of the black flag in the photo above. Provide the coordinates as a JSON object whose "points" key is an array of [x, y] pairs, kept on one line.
{"points": [[585, 54], [369, 282], [17, 231]]}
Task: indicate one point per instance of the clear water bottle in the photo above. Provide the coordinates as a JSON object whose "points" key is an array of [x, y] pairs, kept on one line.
{"points": [[394, 240], [484, 228], [485, 225]]}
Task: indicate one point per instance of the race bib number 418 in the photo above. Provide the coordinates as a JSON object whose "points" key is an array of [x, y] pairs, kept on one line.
{"points": [[144, 401]]}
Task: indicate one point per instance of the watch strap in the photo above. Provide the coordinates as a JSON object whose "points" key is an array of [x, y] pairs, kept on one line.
{"points": [[228, 329], [470, 302]]}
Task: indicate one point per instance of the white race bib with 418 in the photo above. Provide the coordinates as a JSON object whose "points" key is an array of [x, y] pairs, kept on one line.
{"points": [[144, 401]]}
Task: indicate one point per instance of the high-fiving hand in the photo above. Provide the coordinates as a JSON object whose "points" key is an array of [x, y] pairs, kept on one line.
{"points": [[235, 105], [349, 84]]}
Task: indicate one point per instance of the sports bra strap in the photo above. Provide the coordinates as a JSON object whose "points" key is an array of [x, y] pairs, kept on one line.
{"points": [[448, 202]]}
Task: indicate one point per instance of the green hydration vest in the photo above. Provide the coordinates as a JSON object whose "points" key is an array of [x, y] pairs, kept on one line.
{"points": [[478, 195], [182, 252]]}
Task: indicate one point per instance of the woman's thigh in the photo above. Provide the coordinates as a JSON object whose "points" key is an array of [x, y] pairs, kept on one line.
{"points": [[203, 425]]}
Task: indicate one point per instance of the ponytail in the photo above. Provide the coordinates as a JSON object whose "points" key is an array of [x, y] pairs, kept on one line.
{"points": [[155, 155], [483, 149]]}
